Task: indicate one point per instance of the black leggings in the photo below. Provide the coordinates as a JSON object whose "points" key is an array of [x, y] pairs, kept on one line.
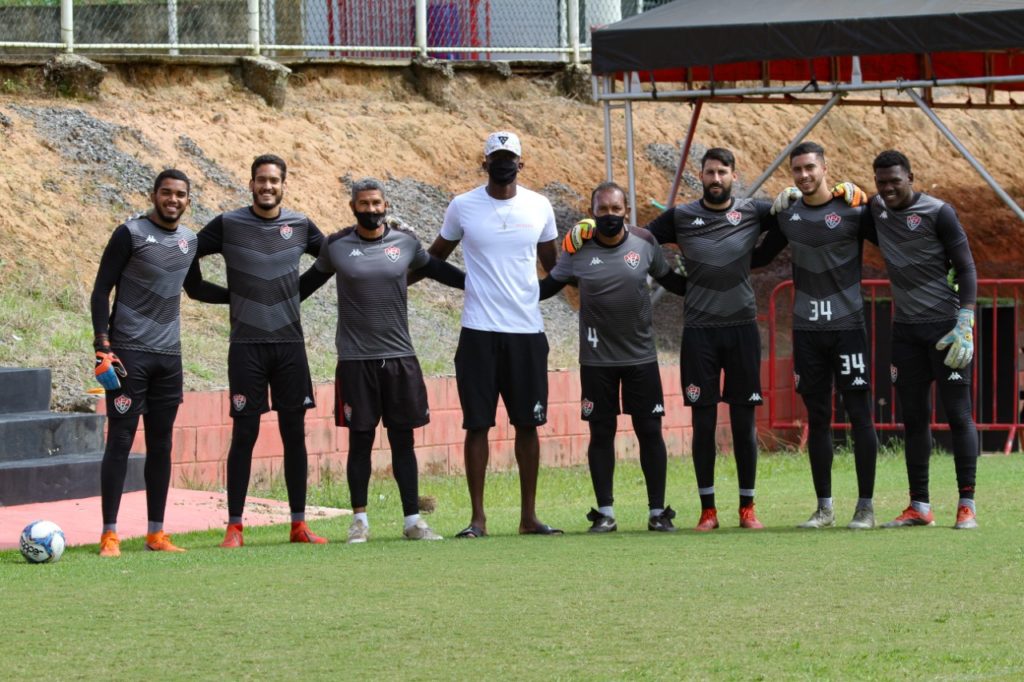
{"points": [[159, 426], [744, 443], [653, 458], [917, 409], [819, 440], [403, 464], [244, 432]]}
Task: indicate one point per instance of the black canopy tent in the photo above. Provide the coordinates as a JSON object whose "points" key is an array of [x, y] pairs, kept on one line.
{"points": [[793, 51]]}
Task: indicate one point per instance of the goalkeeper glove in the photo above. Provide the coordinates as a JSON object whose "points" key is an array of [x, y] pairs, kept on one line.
{"points": [[959, 340], [677, 264], [850, 193], [951, 280], [785, 199], [577, 234], [109, 370]]}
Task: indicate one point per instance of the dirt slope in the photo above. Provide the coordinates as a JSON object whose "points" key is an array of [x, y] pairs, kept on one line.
{"points": [[70, 171]]}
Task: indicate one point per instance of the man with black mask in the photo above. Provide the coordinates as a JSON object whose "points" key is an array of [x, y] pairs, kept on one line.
{"points": [[378, 375], [617, 348], [504, 230]]}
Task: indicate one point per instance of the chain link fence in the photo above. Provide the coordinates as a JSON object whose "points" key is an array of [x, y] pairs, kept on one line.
{"points": [[451, 29]]}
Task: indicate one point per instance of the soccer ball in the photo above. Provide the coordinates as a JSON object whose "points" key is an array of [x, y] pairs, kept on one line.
{"points": [[42, 542]]}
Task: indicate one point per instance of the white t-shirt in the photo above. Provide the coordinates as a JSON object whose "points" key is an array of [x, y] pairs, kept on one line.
{"points": [[499, 244]]}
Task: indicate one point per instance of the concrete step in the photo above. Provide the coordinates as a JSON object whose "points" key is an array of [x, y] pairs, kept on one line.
{"points": [[24, 390], [63, 477], [29, 435]]}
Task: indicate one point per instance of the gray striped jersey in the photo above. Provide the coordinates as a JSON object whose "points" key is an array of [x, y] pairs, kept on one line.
{"points": [[716, 248], [826, 244], [373, 318], [146, 313], [615, 300], [916, 257], [262, 259]]}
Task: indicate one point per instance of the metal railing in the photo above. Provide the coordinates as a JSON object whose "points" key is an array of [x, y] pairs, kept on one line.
{"points": [[444, 29], [996, 379]]}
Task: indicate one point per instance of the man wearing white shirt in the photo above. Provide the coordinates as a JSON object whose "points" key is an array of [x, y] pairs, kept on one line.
{"points": [[504, 230]]}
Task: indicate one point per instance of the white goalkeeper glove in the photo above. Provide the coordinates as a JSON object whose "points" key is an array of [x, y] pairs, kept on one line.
{"points": [[785, 199], [959, 340]]}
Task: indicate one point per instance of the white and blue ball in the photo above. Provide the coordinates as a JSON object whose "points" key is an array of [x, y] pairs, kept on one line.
{"points": [[42, 542]]}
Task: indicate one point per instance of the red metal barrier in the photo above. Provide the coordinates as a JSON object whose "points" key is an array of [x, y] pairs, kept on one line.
{"points": [[997, 322]]}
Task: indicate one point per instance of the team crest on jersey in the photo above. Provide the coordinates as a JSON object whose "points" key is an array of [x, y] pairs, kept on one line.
{"points": [[587, 407], [893, 373], [347, 410], [122, 403], [734, 217], [286, 232], [238, 400], [392, 253], [632, 259], [913, 221], [183, 245], [832, 220], [693, 392]]}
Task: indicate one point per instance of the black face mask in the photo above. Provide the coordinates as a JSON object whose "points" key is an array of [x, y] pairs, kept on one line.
{"points": [[369, 220], [503, 171], [609, 225]]}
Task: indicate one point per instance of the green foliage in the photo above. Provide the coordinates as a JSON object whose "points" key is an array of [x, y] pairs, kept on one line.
{"points": [[776, 604]]}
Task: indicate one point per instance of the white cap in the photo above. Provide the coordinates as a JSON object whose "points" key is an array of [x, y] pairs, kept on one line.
{"points": [[503, 141]]}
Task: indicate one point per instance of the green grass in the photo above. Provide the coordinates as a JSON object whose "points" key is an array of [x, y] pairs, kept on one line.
{"points": [[890, 604]]}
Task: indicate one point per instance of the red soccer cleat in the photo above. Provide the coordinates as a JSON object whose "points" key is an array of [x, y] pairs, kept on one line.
{"points": [[708, 520], [748, 519], [912, 517], [302, 533], [965, 518], [233, 536]]}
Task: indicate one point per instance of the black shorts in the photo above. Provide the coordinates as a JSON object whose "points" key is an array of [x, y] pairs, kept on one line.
{"points": [[252, 367], [515, 366], [641, 391], [707, 351], [392, 388], [819, 357], [154, 382], [915, 360]]}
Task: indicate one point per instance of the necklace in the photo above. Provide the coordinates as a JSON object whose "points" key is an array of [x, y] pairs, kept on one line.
{"points": [[494, 206]]}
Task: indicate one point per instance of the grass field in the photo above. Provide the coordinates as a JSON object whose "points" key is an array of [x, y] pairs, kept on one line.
{"points": [[920, 603]]}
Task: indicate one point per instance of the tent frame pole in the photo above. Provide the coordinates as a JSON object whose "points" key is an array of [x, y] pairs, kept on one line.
{"points": [[784, 154], [1000, 192], [607, 85], [684, 154], [630, 163]]}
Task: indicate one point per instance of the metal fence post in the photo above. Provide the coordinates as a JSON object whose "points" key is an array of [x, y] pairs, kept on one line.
{"points": [[421, 27], [253, 11], [573, 18], [172, 26], [67, 25]]}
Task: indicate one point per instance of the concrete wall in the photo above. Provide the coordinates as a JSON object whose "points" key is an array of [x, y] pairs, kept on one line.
{"points": [[203, 432]]}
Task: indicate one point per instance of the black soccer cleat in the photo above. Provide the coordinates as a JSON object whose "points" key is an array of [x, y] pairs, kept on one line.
{"points": [[662, 523], [601, 523]]}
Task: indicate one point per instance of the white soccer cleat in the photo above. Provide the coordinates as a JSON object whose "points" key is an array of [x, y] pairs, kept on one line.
{"points": [[821, 518]]}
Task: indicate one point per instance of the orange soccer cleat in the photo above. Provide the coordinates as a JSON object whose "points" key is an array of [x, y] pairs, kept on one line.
{"points": [[748, 519], [708, 520], [110, 544], [302, 533], [911, 517], [161, 542], [233, 536]]}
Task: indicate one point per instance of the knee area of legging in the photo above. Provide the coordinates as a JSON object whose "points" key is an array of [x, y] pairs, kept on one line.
{"points": [[647, 427], [602, 428]]}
